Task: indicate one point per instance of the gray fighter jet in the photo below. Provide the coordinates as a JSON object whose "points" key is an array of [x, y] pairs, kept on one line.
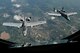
{"points": [[58, 13], [25, 22]]}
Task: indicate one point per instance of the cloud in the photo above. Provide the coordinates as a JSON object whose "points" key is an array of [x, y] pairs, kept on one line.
{"points": [[13, 0], [6, 15], [17, 17], [17, 5], [17, 11], [52, 18]]}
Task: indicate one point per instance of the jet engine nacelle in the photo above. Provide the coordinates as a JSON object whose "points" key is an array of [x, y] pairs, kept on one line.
{"points": [[55, 10], [62, 9], [28, 19]]}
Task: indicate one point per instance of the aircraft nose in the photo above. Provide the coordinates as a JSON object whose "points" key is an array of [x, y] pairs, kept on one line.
{"points": [[68, 18]]}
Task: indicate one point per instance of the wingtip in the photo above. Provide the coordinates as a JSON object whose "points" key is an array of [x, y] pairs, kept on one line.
{"points": [[3, 24], [75, 13]]}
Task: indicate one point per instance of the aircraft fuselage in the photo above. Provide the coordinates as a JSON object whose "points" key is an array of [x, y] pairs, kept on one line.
{"points": [[63, 15], [24, 26]]}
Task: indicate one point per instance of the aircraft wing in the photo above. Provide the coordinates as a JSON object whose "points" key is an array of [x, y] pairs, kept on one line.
{"points": [[73, 13], [54, 14], [13, 24], [35, 23]]}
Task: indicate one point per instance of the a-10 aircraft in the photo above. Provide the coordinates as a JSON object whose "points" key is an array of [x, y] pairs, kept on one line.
{"points": [[63, 13], [25, 22]]}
